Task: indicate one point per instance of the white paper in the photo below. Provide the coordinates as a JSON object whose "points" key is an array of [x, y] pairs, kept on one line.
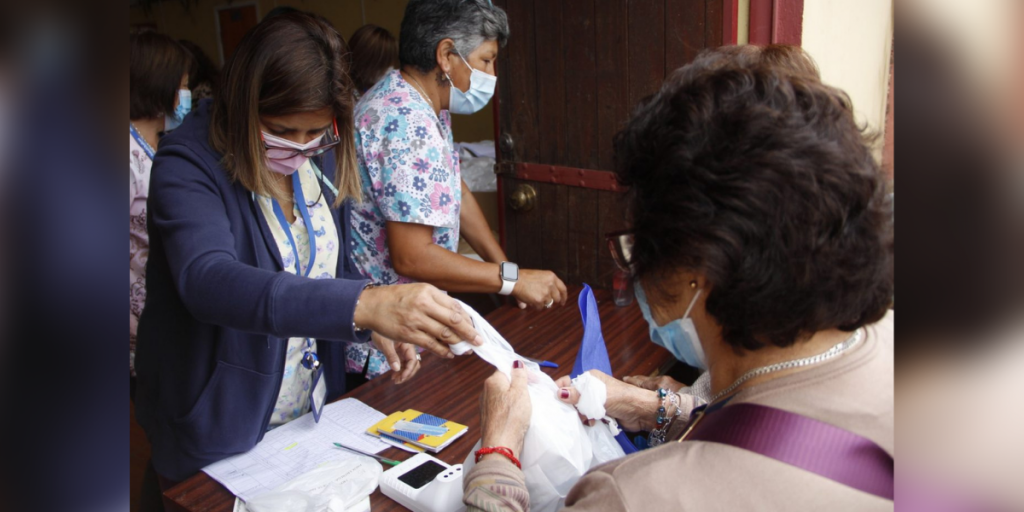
{"points": [[299, 446], [362, 506]]}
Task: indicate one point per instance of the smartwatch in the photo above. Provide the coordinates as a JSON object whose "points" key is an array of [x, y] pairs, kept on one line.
{"points": [[509, 273]]}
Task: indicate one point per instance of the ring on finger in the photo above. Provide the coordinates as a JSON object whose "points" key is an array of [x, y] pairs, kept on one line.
{"points": [[419, 357], [549, 303]]}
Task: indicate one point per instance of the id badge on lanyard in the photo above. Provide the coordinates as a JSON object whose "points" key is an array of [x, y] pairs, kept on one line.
{"points": [[318, 391], [142, 142]]}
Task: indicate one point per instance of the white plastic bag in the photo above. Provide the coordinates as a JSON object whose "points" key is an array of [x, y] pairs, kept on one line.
{"points": [[557, 450], [478, 171], [593, 394], [335, 486]]}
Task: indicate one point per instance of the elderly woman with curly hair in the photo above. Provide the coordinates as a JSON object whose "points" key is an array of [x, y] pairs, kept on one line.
{"points": [[415, 204], [762, 252]]}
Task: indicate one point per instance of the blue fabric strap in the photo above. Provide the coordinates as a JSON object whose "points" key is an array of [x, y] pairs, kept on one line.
{"points": [[593, 353], [300, 202], [142, 142]]}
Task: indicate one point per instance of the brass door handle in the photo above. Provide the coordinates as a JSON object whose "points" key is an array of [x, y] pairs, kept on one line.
{"points": [[523, 199]]}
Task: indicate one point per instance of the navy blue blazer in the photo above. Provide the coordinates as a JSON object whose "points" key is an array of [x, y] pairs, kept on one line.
{"points": [[220, 309]]}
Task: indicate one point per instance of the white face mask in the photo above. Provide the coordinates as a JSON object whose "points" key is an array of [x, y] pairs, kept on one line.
{"points": [[481, 89]]}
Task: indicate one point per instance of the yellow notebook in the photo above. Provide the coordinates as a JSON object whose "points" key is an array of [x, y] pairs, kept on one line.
{"points": [[386, 429]]}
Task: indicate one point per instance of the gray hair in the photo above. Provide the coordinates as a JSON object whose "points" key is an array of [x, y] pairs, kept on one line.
{"points": [[467, 22]]}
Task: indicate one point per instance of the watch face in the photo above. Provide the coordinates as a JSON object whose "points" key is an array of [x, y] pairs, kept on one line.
{"points": [[509, 271]]}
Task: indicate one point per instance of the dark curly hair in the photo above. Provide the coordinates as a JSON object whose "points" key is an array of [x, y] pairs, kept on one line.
{"points": [[748, 169]]}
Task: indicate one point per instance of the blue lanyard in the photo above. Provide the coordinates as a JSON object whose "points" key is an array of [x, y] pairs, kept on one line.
{"points": [[309, 360], [142, 142], [300, 201]]}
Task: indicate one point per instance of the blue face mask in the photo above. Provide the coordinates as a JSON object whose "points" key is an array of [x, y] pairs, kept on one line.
{"points": [[184, 107], [481, 88], [678, 336]]}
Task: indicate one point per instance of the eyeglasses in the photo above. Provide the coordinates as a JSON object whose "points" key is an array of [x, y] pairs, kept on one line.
{"points": [[282, 153], [620, 243]]}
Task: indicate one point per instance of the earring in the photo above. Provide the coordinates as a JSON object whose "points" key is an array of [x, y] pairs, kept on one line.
{"points": [[693, 284]]}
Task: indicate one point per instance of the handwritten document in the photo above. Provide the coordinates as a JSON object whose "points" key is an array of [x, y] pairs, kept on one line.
{"points": [[297, 447]]}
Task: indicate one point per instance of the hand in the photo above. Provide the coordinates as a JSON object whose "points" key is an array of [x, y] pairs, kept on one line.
{"points": [[403, 358], [540, 289], [655, 383], [505, 409], [633, 407], [418, 314]]}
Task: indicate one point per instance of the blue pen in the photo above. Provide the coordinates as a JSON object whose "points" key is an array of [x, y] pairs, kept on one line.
{"points": [[543, 364]]}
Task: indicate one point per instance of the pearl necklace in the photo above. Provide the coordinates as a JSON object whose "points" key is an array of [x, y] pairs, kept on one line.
{"points": [[837, 349]]}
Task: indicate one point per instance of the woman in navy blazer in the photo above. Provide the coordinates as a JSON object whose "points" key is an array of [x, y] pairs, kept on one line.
{"points": [[221, 305]]}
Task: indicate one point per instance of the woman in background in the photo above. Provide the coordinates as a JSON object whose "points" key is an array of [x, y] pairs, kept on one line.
{"points": [[415, 205], [202, 81], [158, 78], [374, 53]]}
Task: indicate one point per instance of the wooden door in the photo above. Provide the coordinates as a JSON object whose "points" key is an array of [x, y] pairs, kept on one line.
{"points": [[232, 23], [568, 80]]}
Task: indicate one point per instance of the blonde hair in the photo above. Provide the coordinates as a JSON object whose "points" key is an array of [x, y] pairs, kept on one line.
{"points": [[290, 63]]}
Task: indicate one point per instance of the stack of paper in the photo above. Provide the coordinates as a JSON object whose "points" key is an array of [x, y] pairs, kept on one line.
{"points": [[297, 447]]}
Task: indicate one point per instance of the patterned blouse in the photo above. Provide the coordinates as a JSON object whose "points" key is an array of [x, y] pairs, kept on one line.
{"points": [[410, 173], [140, 162], [293, 400]]}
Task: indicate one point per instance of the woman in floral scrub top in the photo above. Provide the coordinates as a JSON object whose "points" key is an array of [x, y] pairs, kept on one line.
{"points": [[415, 204], [160, 68]]}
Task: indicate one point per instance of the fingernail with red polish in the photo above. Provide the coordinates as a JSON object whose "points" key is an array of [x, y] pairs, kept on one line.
{"points": [[564, 393], [517, 364]]}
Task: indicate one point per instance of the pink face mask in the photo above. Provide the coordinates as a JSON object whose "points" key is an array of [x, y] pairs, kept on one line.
{"points": [[284, 156]]}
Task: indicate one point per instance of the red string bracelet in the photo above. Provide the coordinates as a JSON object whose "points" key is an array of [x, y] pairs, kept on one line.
{"points": [[500, 450]]}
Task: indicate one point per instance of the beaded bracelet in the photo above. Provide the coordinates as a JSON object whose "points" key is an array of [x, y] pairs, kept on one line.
{"points": [[500, 450], [662, 419]]}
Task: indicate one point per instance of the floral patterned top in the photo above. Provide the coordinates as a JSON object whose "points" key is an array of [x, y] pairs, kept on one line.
{"points": [[293, 400], [140, 163], [410, 173]]}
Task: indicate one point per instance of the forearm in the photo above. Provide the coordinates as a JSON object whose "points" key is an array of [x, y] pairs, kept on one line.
{"points": [[447, 270], [474, 228], [496, 485], [229, 293], [193, 235]]}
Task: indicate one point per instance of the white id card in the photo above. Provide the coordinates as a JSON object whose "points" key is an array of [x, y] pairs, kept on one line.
{"points": [[318, 394]]}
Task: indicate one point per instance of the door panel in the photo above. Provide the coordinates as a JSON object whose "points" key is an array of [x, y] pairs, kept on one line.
{"points": [[612, 90], [234, 23], [569, 77]]}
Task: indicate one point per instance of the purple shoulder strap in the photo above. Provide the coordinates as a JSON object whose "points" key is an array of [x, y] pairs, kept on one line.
{"points": [[809, 444]]}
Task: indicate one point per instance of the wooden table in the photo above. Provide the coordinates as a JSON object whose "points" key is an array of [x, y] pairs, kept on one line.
{"points": [[451, 388]]}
